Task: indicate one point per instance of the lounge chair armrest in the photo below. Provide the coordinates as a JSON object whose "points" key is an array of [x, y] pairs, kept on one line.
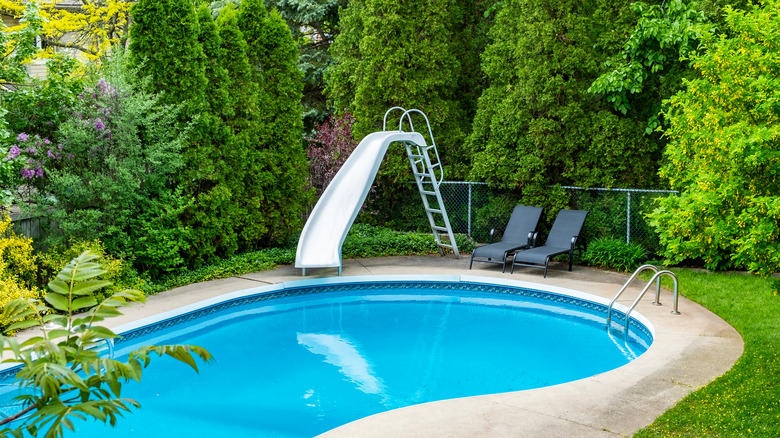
{"points": [[532, 239], [492, 232], [573, 242]]}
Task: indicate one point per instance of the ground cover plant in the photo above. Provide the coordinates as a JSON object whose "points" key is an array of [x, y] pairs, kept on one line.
{"points": [[745, 401], [362, 241]]}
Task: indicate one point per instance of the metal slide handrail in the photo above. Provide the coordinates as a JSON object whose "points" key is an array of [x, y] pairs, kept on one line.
{"points": [[657, 278], [408, 115], [384, 120]]}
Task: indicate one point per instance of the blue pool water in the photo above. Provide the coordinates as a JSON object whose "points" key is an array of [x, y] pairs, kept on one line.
{"points": [[301, 361]]}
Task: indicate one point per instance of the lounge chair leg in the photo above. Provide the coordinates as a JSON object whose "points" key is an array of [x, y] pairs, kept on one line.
{"points": [[472, 261], [571, 259], [546, 263]]}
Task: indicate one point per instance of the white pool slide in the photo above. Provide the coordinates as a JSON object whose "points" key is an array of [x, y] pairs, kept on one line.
{"points": [[320, 243]]}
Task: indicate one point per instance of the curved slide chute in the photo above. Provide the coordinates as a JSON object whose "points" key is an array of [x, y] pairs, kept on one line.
{"points": [[320, 243]]}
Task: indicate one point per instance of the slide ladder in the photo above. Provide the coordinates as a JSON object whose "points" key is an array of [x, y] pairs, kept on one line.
{"points": [[428, 175]]}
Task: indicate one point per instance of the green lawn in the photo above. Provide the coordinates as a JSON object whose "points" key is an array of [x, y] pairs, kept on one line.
{"points": [[746, 400]]}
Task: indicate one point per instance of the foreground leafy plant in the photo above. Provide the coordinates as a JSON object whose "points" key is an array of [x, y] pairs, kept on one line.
{"points": [[67, 376]]}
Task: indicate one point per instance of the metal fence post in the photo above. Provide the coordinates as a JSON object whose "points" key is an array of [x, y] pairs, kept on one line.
{"points": [[469, 218], [628, 217]]}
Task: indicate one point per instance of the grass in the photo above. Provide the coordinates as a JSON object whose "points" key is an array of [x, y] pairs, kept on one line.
{"points": [[745, 401]]}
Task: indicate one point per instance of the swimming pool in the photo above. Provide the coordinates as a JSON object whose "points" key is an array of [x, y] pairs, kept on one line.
{"points": [[300, 358]]}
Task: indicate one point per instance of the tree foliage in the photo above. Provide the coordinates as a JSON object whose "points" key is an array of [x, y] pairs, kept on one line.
{"points": [[654, 60], [238, 79], [723, 152], [279, 170], [163, 39], [314, 25], [384, 58], [87, 27], [536, 124], [67, 376], [18, 45]]}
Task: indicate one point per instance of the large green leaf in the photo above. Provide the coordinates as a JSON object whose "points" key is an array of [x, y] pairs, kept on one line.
{"points": [[87, 287], [57, 301], [21, 325], [83, 302], [60, 287], [102, 332]]}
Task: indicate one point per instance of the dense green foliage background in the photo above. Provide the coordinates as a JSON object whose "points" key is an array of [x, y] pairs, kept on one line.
{"points": [[188, 162], [528, 95], [244, 161], [723, 153], [537, 125]]}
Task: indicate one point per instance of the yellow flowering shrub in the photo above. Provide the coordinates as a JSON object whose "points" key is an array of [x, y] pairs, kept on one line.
{"points": [[16, 254], [17, 266]]}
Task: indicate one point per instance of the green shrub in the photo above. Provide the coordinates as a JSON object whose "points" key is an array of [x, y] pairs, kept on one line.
{"points": [[118, 272], [114, 168], [369, 241], [611, 253], [723, 151]]}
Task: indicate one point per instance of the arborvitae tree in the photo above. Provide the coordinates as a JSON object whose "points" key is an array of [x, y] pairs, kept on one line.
{"points": [[164, 38], [536, 124], [393, 53], [208, 37], [280, 169], [314, 25], [244, 161]]}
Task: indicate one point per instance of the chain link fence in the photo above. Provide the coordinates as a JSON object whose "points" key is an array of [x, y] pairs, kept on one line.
{"points": [[475, 208]]}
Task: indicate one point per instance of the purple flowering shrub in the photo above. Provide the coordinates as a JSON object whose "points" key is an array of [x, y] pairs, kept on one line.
{"points": [[24, 162], [329, 149], [114, 178]]}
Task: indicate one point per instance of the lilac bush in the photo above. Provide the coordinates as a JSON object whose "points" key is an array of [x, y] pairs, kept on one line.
{"points": [[23, 166], [112, 178]]}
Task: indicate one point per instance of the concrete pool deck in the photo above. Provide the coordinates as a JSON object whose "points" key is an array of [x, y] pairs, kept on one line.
{"points": [[689, 351]]}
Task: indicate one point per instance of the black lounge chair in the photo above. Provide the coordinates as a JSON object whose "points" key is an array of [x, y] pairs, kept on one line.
{"points": [[519, 234], [561, 240]]}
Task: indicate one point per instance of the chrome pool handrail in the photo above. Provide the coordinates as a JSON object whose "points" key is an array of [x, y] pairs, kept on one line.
{"points": [[623, 289], [657, 276]]}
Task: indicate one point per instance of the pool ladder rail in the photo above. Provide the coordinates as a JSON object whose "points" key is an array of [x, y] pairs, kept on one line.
{"points": [[657, 279]]}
